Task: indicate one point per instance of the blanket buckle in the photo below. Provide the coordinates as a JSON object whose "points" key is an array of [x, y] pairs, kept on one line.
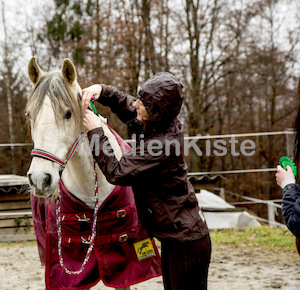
{"points": [[84, 241], [123, 238], [84, 219], [121, 213]]}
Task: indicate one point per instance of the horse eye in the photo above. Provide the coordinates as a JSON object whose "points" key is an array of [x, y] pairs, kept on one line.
{"points": [[68, 115]]}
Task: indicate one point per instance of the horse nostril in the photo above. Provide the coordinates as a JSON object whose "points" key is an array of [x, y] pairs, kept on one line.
{"points": [[29, 179], [47, 180]]}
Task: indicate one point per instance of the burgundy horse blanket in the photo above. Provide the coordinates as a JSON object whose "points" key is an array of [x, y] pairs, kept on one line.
{"points": [[123, 254]]}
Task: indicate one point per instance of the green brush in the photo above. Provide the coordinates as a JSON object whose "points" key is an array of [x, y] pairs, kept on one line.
{"points": [[286, 161], [94, 108]]}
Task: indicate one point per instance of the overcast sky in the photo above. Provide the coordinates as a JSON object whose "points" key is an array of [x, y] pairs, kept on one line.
{"points": [[20, 14], [17, 12]]}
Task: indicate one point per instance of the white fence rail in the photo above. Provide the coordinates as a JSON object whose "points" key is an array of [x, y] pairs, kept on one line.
{"points": [[271, 204]]}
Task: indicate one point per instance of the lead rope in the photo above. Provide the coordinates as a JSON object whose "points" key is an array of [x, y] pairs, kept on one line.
{"points": [[91, 239], [58, 223]]}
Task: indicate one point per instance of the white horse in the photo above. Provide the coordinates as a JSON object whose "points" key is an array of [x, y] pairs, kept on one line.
{"points": [[56, 121], [56, 133]]}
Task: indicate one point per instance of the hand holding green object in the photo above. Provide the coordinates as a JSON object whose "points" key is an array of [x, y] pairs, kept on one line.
{"points": [[286, 161], [94, 108]]}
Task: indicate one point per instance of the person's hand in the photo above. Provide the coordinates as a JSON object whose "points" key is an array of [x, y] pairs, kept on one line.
{"points": [[90, 93], [282, 174], [91, 121]]}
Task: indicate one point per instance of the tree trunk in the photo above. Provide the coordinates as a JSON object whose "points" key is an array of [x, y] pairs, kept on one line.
{"points": [[8, 95]]}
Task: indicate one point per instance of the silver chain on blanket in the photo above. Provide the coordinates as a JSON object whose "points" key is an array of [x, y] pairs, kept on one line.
{"points": [[91, 239]]}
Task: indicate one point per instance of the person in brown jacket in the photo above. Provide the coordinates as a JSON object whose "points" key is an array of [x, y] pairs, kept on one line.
{"points": [[155, 168]]}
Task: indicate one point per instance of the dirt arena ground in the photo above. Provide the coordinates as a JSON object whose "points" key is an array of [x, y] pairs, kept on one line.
{"points": [[232, 267]]}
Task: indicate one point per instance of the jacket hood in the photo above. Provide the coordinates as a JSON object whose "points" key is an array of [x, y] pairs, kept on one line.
{"points": [[162, 97]]}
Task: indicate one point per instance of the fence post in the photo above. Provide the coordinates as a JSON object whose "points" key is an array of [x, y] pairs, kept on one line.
{"points": [[271, 214], [289, 137], [222, 193]]}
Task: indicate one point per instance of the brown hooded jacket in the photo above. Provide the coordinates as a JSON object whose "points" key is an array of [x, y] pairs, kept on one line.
{"points": [[156, 169]]}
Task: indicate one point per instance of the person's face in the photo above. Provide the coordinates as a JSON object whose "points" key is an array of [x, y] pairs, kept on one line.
{"points": [[142, 114]]}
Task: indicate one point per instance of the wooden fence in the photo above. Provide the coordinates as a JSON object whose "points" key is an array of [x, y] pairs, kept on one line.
{"points": [[15, 209]]}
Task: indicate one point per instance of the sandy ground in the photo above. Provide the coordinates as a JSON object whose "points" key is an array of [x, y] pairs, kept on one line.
{"points": [[232, 267]]}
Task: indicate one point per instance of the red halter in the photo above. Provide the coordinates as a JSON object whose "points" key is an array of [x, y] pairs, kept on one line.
{"points": [[49, 156]]}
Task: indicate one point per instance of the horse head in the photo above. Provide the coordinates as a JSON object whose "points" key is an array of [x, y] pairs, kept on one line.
{"points": [[55, 118]]}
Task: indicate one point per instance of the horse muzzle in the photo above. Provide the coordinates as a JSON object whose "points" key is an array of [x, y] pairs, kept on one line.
{"points": [[42, 184]]}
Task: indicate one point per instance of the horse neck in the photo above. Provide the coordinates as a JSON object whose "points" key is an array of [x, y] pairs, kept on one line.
{"points": [[78, 177]]}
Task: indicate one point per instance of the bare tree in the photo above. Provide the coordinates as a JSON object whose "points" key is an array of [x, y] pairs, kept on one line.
{"points": [[9, 93]]}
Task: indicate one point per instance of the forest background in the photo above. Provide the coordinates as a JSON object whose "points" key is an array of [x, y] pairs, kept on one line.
{"points": [[237, 59]]}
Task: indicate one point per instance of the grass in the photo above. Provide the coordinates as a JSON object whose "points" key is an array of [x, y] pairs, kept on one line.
{"points": [[263, 237], [23, 243]]}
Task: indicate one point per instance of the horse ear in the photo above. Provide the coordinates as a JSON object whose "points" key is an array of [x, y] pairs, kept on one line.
{"points": [[34, 71], [68, 71]]}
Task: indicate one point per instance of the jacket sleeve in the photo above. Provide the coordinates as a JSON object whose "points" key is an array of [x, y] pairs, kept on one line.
{"points": [[120, 103], [291, 208], [129, 168]]}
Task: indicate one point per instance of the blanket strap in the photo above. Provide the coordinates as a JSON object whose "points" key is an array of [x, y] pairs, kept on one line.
{"points": [[101, 240], [87, 217]]}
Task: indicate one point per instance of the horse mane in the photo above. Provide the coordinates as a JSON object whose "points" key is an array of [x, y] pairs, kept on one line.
{"points": [[59, 91]]}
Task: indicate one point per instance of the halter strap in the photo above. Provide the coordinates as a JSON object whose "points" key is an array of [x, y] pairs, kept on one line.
{"points": [[49, 156]]}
